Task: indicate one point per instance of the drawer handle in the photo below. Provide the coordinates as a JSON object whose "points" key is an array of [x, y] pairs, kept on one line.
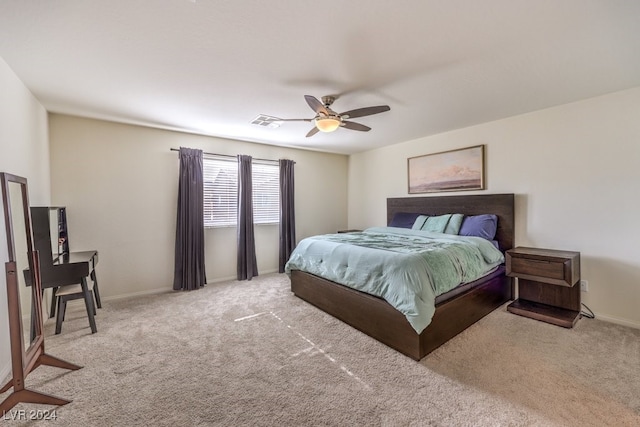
{"points": [[539, 261]]}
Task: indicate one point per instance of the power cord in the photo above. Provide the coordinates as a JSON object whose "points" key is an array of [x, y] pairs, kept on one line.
{"points": [[588, 315]]}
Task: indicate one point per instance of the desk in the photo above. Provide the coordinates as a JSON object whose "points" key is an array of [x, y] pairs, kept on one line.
{"points": [[68, 269]]}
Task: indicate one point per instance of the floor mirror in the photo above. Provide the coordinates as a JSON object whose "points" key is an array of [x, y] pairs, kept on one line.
{"points": [[23, 266]]}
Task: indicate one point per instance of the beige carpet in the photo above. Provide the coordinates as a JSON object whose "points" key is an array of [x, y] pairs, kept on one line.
{"points": [[251, 354]]}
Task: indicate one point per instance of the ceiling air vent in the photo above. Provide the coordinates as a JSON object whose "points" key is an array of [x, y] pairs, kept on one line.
{"points": [[267, 121]]}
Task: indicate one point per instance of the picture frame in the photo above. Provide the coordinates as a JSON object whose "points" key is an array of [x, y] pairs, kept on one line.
{"points": [[461, 169]]}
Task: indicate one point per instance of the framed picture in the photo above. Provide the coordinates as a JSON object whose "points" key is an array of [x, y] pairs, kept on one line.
{"points": [[455, 170]]}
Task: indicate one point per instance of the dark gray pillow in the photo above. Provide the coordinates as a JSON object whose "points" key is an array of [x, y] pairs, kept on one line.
{"points": [[403, 219]]}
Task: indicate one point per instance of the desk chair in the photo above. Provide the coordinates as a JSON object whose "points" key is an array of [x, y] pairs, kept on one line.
{"points": [[66, 293], [54, 298]]}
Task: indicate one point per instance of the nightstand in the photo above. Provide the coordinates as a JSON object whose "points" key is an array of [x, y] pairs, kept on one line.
{"points": [[547, 289]]}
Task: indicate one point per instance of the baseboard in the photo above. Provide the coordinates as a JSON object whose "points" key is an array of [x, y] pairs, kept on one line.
{"points": [[227, 279], [270, 271], [617, 320], [137, 294], [221, 279], [170, 289]]}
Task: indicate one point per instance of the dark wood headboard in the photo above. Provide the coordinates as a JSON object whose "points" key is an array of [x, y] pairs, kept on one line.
{"points": [[498, 204]]}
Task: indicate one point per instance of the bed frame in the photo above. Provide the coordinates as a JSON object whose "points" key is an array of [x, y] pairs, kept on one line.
{"points": [[378, 319]]}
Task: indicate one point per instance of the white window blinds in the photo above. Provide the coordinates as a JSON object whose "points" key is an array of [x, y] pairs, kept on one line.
{"points": [[221, 192], [266, 193]]}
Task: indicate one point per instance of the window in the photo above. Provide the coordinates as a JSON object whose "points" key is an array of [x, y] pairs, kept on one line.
{"points": [[266, 193], [221, 192]]}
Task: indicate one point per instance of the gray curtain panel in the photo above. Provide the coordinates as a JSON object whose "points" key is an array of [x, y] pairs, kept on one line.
{"points": [[287, 212], [189, 270], [247, 264]]}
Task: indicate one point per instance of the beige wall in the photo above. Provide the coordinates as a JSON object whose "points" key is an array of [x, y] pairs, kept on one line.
{"points": [[119, 184], [24, 151], [575, 171]]}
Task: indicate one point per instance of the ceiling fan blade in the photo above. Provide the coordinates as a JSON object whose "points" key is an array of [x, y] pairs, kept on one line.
{"points": [[355, 126], [316, 105], [312, 132], [295, 120], [367, 111]]}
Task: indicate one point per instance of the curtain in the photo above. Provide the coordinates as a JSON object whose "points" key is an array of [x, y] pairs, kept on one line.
{"points": [[189, 272], [247, 264], [287, 213]]}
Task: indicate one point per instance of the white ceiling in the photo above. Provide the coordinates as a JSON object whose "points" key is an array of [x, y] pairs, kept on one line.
{"points": [[212, 66]]}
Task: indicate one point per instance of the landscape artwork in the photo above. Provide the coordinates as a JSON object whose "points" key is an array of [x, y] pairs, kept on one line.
{"points": [[455, 170]]}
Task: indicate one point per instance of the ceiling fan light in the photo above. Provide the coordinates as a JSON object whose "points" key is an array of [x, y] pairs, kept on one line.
{"points": [[327, 124]]}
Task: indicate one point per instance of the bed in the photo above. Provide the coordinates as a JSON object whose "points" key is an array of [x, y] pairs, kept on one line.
{"points": [[455, 310]]}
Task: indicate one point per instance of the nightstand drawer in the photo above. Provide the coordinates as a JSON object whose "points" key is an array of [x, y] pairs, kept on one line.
{"points": [[538, 268], [560, 268]]}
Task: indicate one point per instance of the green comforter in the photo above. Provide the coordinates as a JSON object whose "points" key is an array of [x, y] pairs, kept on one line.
{"points": [[408, 268]]}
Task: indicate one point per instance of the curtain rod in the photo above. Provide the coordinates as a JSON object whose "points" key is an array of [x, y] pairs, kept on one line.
{"points": [[229, 155]]}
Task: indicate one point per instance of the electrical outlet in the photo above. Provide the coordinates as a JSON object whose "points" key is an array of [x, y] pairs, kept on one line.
{"points": [[584, 286]]}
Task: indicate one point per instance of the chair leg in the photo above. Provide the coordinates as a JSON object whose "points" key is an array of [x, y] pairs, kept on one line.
{"points": [[93, 305], [96, 292], [62, 308], [88, 302], [33, 321], [52, 308]]}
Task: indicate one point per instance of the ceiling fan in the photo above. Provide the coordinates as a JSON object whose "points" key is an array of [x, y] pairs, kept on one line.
{"points": [[327, 120]]}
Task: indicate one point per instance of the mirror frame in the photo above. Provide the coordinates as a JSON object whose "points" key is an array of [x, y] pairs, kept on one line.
{"points": [[33, 270], [23, 361]]}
